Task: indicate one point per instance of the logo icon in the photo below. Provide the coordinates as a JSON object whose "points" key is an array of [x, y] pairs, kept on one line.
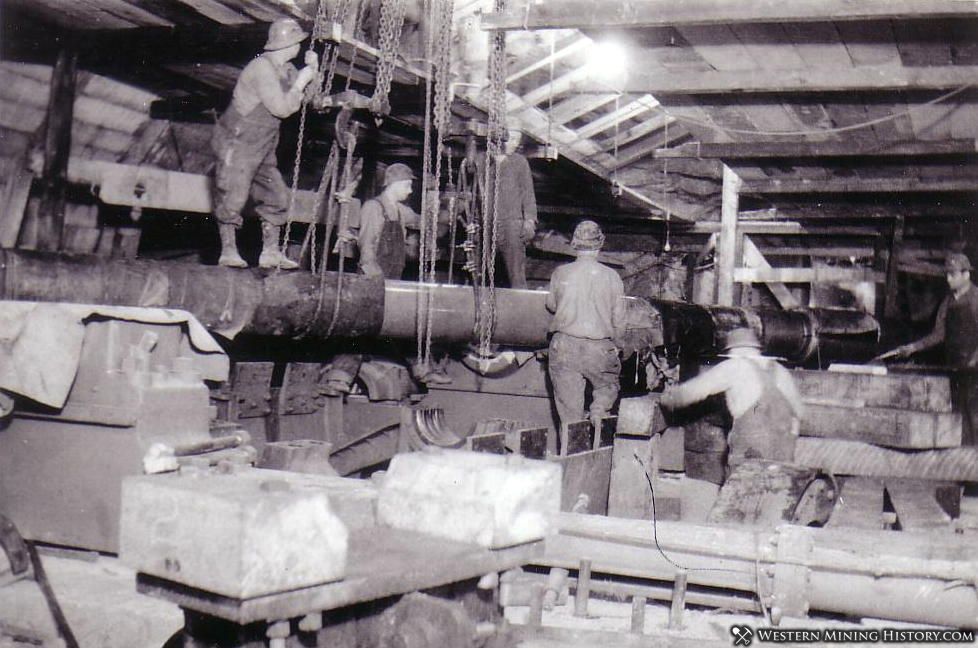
{"points": [[742, 635]]}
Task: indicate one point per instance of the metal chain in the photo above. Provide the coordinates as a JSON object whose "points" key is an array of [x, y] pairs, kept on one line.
{"points": [[290, 214], [442, 47], [494, 149], [391, 24], [423, 294]]}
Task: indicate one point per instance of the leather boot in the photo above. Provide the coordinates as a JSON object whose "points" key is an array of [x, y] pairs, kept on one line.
{"points": [[271, 254], [229, 247]]}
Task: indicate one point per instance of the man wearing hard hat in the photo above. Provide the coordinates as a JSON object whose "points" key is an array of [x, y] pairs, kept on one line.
{"points": [[956, 327], [246, 136], [587, 300]]}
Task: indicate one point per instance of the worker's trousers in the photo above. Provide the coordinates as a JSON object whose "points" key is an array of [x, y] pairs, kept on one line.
{"points": [[575, 361], [246, 165], [512, 248]]}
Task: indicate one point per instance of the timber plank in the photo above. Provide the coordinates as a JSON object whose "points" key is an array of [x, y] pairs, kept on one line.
{"points": [[924, 393], [860, 504], [916, 506], [586, 473], [855, 458], [888, 427]]}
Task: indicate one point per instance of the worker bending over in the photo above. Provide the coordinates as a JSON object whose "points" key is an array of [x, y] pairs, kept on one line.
{"points": [[245, 139], [587, 300], [956, 327], [760, 394]]}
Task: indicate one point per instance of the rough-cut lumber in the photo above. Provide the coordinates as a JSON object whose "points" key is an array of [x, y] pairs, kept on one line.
{"points": [[912, 391], [666, 13], [859, 504], [856, 458], [844, 148], [727, 242], [894, 428], [806, 275], [859, 185], [916, 505]]}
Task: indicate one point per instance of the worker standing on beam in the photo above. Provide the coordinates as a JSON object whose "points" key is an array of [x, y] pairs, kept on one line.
{"points": [[587, 300], [246, 137], [760, 394], [516, 211], [956, 327]]}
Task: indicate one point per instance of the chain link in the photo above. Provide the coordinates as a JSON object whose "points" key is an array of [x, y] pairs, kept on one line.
{"points": [[391, 24], [494, 150]]}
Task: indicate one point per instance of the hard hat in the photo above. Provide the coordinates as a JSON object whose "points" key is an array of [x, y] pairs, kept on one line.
{"points": [[284, 32], [741, 338], [957, 262], [587, 236], [397, 172]]}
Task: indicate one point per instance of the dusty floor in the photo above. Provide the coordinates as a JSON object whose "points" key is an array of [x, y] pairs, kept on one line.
{"points": [[99, 598]]}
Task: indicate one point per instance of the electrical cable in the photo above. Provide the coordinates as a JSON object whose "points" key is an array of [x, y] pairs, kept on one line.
{"points": [[821, 131], [655, 535]]}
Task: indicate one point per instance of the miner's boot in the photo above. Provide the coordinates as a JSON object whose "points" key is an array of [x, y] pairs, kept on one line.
{"points": [[271, 254], [229, 247]]}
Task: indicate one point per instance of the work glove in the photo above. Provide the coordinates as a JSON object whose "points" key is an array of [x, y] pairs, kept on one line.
{"points": [[528, 231], [312, 60]]}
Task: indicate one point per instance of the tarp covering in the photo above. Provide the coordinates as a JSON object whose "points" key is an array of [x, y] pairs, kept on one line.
{"points": [[41, 344]]}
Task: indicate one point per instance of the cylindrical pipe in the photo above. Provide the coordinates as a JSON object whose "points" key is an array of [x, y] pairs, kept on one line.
{"points": [[224, 300], [795, 335], [299, 304], [885, 575]]}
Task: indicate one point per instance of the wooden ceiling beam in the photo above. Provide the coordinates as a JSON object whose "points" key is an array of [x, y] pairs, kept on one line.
{"points": [[652, 79], [629, 110], [576, 45], [555, 87], [635, 152], [585, 14], [640, 130], [844, 148], [572, 108], [859, 185]]}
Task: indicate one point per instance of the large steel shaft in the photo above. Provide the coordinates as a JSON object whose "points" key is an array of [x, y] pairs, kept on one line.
{"points": [[302, 305]]}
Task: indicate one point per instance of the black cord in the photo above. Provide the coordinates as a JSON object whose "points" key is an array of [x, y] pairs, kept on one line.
{"points": [[60, 621], [655, 535]]}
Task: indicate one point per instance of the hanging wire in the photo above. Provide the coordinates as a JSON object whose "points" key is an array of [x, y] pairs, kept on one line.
{"points": [[822, 131]]}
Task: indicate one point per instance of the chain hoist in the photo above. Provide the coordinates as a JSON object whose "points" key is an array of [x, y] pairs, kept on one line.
{"points": [[391, 24], [495, 142], [437, 113]]}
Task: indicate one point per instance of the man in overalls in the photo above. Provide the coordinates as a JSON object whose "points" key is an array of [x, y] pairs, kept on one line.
{"points": [[516, 213], [382, 238], [956, 327], [382, 242], [760, 394], [245, 138]]}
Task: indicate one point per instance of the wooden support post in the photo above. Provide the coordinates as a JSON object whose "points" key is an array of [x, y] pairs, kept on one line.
{"points": [[727, 243], [583, 592], [890, 305], [678, 600], [57, 148], [638, 615], [536, 604]]}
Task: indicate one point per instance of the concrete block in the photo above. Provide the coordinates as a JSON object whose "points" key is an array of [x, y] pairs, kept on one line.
{"points": [[242, 534], [490, 500]]}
